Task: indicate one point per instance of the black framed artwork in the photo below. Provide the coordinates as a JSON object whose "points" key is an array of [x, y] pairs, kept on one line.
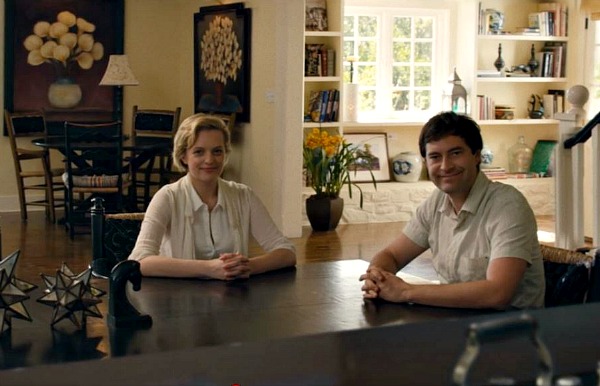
{"points": [[222, 60], [56, 52]]}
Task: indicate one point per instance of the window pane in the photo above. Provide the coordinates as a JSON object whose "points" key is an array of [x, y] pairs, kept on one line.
{"points": [[400, 100], [367, 100], [423, 52], [401, 27], [367, 51], [347, 73], [423, 76], [422, 100], [367, 26], [349, 26], [424, 27], [401, 76], [348, 48], [401, 52], [367, 75]]}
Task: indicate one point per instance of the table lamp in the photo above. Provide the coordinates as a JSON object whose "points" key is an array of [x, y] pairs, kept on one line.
{"points": [[118, 73]]}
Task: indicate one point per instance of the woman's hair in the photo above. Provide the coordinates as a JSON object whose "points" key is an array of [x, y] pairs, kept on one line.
{"points": [[450, 123], [188, 132]]}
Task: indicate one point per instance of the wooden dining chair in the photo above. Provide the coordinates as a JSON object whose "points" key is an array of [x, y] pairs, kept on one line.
{"points": [[572, 277], [94, 168], [32, 166], [154, 174], [113, 237]]}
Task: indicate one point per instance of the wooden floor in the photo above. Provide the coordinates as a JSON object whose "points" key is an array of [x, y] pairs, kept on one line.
{"points": [[45, 246]]}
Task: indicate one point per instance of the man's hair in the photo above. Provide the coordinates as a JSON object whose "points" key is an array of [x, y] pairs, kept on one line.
{"points": [[450, 123], [188, 132]]}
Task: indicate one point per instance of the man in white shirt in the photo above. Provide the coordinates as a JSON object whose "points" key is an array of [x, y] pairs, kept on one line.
{"points": [[482, 234]]}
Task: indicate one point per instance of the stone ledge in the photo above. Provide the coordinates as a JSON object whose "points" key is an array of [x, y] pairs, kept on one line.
{"points": [[397, 201]]}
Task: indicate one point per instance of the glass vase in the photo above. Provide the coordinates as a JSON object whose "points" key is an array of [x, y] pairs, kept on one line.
{"points": [[519, 157]]}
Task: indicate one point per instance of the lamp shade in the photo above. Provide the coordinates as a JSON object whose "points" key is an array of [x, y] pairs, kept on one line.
{"points": [[118, 72]]}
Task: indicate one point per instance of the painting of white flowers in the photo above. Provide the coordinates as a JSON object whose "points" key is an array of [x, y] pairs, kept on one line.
{"points": [[57, 52], [222, 60]]}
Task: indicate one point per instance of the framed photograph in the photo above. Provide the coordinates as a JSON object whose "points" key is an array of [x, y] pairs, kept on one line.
{"points": [[373, 145], [316, 15], [61, 79], [222, 60]]}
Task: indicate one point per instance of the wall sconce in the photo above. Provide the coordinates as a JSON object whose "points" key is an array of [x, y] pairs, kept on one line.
{"points": [[118, 73]]}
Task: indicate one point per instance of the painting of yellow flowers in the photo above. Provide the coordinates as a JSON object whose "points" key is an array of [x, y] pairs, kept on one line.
{"points": [[222, 60], [57, 52]]}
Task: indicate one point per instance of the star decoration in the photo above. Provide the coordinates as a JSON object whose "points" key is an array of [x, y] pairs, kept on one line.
{"points": [[72, 296], [11, 293]]}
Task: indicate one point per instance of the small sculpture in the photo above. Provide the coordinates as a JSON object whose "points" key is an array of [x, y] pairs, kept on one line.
{"points": [[120, 311], [536, 111], [72, 296], [12, 293], [533, 63], [499, 63]]}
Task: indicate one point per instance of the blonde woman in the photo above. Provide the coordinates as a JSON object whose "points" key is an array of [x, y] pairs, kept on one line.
{"points": [[199, 226]]}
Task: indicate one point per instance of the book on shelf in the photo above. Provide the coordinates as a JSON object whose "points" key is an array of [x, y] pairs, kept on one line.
{"points": [[330, 62], [323, 105], [315, 18], [485, 107], [523, 175], [527, 31], [319, 60], [489, 74], [559, 100], [494, 172], [312, 59], [518, 75], [558, 50]]}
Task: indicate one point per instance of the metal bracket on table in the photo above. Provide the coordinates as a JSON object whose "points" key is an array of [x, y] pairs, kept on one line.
{"points": [[499, 330]]}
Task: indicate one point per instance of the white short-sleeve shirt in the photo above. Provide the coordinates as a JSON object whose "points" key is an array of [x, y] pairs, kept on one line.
{"points": [[495, 221]]}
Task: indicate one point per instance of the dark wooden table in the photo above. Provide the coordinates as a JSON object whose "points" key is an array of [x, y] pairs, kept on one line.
{"points": [[141, 149], [398, 353], [308, 299]]}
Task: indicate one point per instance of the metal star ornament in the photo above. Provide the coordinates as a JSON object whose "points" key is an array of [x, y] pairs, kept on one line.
{"points": [[72, 296], [11, 293]]}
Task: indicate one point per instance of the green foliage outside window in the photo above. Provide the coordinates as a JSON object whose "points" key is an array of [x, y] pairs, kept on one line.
{"points": [[408, 81]]}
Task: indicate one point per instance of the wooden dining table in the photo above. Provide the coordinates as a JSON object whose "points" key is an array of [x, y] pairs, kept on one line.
{"points": [[305, 300], [306, 325], [140, 150]]}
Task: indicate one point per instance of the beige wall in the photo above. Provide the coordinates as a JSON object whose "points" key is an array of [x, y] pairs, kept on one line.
{"points": [[159, 43]]}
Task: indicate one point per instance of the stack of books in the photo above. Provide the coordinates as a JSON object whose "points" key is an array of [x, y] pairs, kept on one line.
{"points": [[495, 172]]}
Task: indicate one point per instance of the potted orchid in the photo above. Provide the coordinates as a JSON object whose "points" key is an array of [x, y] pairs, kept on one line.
{"points": [[329, 161]]}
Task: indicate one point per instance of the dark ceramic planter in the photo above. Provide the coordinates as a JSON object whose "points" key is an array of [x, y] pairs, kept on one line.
{"points": [[323, 212]]}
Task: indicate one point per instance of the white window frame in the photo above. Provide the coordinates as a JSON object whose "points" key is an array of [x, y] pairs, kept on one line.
{"points": [[440, 59]]}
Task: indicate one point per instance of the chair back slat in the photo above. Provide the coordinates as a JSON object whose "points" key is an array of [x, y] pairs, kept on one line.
{"points": [[94, 149], [155, 122], [27, 124]]}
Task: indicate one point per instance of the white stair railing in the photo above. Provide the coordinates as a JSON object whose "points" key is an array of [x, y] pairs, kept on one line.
{"points": [[569, 172]]}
